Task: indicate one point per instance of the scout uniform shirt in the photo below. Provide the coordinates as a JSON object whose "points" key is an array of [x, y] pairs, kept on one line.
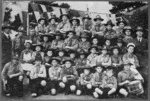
{"points": [[26, 56], [116, 59], [110, 34], [119, 32], [91, 60], [57, 44], [126, 75], [84, 45], [10, 69], [46, 45], [71, 43], [80, 63], [55, 73], [38, 70], [77, 29], [40, 29], [69, 71], [51, 28], [109, 80], [97, 78], [86, 78], [104, 60], [64, 26]]}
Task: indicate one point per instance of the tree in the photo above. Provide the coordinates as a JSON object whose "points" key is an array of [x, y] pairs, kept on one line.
{"points": [[119, 7], [65, 5]]}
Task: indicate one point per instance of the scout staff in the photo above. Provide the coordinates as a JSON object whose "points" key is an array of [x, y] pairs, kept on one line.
{"points": [[69, 76], [12, 78]]}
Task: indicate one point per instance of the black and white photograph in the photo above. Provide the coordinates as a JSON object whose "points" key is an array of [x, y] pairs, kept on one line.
{"points": [[74, 50]]}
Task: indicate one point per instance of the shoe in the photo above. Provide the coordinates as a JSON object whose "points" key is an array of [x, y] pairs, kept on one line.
{"points": [[20, 95], [34, 95]]}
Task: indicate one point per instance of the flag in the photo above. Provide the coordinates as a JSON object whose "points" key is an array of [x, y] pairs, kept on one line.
{"points": [[56, 11]]}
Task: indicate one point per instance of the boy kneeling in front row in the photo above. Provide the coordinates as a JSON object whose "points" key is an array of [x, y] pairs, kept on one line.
{"points": [[12, 77], [69, 76], [128, 83]]}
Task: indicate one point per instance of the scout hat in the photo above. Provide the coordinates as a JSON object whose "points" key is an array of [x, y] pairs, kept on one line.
{"points": [[53, 17], [48, 36], [61, 50], [75, 18], [35, 45], [87, 67], [7, 26], [55, 58], [64, 15], [139, 28], [58, 33], [127, 63], [67, 59], [99, 66], [42, 18], [16, 57], [121, 21], [127, 28], [98, 17], [86, 17], [130, 44], [115, 47], [84, 35], [109, 23], [28, 41], [70, 31], [95, 47], [21, 29], [38, 58]]}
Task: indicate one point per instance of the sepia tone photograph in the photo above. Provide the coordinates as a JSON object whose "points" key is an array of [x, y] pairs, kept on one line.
{"points": [[74, 50]]}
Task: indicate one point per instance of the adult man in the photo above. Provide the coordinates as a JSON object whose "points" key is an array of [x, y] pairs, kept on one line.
{"points": [[6, 44]]}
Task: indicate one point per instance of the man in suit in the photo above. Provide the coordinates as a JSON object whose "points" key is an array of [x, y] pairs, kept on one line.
{"points": [[140, 42], [6, 44]]}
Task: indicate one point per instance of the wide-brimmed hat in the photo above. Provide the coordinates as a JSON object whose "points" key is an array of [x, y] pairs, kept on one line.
{"points": [[127, 63], [58, 33], [67, 59], [95, 47], [55, 58], [109, 23], [28, 41], [99, 66], [115, 47], [130, 44], [71, 31], [38, 57], [16, 57], [35, 45], [64, 15], [50, 37], [7, 26], [49, 50], [21, 29], [42, 19], [98, 17], [53, 17], [75, 18], [139, 28], [84, 35], [127, 28], [86, 17], [104, 48], [121, 21]]}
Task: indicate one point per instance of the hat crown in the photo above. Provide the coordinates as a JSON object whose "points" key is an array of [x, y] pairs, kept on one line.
{"points": [[109, 22], [127, 27], [130, 44], [30, 41], [98, 16], [139, 28], [74, 18]]}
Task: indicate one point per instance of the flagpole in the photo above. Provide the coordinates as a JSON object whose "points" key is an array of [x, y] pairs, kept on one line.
{"points": [[28, 14]]}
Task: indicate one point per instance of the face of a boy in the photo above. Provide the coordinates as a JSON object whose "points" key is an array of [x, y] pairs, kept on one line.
{"points": [[53, 21], [61, 54], [74, 22], [86, 71], [54, 63], [104, 52], [128, 32], [130, 49], [70, 35], [45, 39], [119, 44], [139, 33], [109, 27], [115, 51], [107, 42], [83, 39], [121, 25], [49, 53], [99, 69], [68, 64], [27, 45], [14, 61], [95, 41], [93, 50], [37, 62], [109, 73], [126, 67], [38, 48], [72, 55]]}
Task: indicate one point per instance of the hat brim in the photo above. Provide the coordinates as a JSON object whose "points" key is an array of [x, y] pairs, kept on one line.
{"points": [[7, 27], [78, 21], [49, 37], [121, 22], [86, 18], [64, 15], [71, 32], [34, 47], [95, 19], [41, 19], [68, 61], [92, 48]]}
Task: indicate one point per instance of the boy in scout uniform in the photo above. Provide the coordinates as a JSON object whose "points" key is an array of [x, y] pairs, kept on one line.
{"points": [[46, 42], [12, 78], [57, 43], [121, 24], [69, 76], [85, 81], [54, 76], [97, 81], [61, 54], [64, 25], [125, 77], [109, 84], [71, 43], [92, 57], [37, 50], [104, 59], [41, 27], [84, 43], [37, 77]]}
